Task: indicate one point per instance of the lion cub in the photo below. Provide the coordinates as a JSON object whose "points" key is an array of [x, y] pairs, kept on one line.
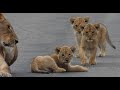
{"points": [[89, 44], [78, 24], [59, 62], [103, 37]]}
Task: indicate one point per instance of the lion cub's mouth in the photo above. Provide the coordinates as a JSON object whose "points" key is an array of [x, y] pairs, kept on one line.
{"points": [[66, 62], [89, 40]]}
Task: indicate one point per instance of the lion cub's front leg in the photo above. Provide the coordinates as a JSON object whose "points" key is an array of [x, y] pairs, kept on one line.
{"points": [[93, 57], [83, 56], [59, 70], [77, 68]]}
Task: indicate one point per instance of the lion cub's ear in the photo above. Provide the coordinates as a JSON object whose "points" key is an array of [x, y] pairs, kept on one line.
{"points": [[73, 49], [97, 25], [72, 20], [1, 17], [86, 19], [57, 50]]}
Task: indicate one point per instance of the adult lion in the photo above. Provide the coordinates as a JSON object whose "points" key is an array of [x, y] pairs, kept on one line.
{"points": [[8, 47]]}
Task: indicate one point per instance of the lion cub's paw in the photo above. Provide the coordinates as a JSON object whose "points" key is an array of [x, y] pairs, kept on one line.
{"points": [[61, 70], [101, 55], [92, 63], [5, 74], [84, 69], [84, 62], [77, 56]]}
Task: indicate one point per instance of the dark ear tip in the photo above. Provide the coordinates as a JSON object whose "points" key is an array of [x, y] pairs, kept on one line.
{"points": [[97, 25], [71, 20], [87, 18], [57, 49], [73, 49]]}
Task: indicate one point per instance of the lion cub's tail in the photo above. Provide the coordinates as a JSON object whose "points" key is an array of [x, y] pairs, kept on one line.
{"points": [[109, 41]]}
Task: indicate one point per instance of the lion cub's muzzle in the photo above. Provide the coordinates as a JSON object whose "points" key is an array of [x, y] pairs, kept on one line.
{"points": [[66, 60]]}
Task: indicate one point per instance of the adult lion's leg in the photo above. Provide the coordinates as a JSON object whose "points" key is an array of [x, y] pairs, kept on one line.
{"points": [[13, 56], [4, 68]]}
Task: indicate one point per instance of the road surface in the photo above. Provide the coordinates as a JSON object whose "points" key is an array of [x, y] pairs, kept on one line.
{"points": [[40, 33]]}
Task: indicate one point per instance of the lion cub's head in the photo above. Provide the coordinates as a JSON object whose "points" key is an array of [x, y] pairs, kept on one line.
{"points": [[90, 32], [65, 54], [78, 23], [7, 34]]}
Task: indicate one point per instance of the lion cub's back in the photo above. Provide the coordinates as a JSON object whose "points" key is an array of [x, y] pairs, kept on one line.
{"points": [[42, 62]]}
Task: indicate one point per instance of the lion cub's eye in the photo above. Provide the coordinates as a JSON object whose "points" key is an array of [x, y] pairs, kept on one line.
{"points": [[86, 21], [63, 55], [69, 54], [92, 32], [76, 25], [86, 32]]}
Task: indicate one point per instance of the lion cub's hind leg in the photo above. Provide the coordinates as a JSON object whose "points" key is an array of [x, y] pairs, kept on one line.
{"points": [[54, 67], [36, 66], [45, 64], [102, 48], [37, 70]]}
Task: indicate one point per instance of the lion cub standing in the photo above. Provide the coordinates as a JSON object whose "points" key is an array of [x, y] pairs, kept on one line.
{"points": [[78, 24], [103, 37], [59, 62], [89, 44]]}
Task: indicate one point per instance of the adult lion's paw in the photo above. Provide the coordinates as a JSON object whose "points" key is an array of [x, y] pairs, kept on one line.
{"points": [[5, 74]]}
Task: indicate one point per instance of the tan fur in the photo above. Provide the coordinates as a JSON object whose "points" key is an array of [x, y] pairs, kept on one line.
{"points": [[103, 38], [45, 64], [59, 62], [8, 47], [78, 24], [89, 44]]}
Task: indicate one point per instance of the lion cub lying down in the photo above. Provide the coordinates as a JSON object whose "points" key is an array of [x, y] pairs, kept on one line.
{"points": [[59, 62]]}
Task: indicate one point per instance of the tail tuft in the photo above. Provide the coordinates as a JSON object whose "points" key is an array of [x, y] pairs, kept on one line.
{"points": [[113, 46], [109, 41]]}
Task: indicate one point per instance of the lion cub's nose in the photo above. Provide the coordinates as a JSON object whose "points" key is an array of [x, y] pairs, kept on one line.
{"points": [[67, 60]]}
